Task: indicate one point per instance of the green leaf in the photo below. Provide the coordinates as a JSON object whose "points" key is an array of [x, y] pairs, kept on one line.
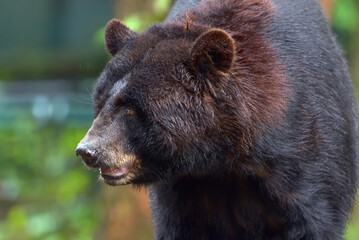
{"points": [[17, 218], [134, 22], [346, 15], [161, 6]]}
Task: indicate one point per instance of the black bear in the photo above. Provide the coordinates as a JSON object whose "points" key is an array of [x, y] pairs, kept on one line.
{"points": [[239, 115]]}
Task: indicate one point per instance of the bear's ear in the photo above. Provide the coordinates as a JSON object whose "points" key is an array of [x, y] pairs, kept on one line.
{"points": [[116, 34], [213, 51]]}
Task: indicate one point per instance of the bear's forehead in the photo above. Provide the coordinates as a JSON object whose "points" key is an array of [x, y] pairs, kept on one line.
{"points": [[169, 51], [144, 62], [120, 85]]}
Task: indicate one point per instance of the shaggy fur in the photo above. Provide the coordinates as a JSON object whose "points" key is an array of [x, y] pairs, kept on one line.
{"points": [[238, 114]]}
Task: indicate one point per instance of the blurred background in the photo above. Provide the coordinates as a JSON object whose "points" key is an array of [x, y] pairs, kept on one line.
{"points": [[51, 52]]}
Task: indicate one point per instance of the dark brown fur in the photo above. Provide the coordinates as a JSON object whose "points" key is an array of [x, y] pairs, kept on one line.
{"points": [[259, 83]]}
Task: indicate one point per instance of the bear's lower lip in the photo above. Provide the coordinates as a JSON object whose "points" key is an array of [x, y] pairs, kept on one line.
{"points": [[115, 173]]}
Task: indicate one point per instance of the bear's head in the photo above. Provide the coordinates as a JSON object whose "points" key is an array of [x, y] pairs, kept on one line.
{"points": [[162, 104]]}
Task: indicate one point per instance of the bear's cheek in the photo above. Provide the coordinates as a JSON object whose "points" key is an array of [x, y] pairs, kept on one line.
{"points": [[105, 148]]}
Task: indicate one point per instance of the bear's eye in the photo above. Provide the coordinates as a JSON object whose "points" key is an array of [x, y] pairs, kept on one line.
{"points": [[129, 111], [121, 105]]}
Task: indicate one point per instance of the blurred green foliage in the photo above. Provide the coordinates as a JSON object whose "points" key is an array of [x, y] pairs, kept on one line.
{"points": [[345, 22], [139, 21], [46, 193], [346, 16]]}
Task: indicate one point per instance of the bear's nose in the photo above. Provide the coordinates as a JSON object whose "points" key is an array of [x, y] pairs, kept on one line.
{"points": [[89, 155]]}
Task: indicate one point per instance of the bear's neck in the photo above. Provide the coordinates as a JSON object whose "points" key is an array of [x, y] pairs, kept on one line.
{"points": [[213, 208]]}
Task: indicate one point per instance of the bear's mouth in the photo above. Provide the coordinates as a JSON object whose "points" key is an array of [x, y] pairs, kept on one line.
{"points": [[114, 173], [120, 174]]}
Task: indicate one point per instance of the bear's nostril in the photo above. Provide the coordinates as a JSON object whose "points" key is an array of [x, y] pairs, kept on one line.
{"points": [[88, 155]]}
